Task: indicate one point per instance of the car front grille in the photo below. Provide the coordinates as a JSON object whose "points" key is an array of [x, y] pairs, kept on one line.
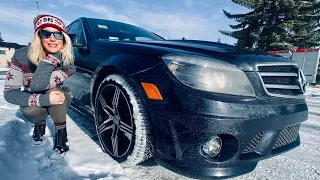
{"points": [[281, 80], [287, 136], [253, 143]]}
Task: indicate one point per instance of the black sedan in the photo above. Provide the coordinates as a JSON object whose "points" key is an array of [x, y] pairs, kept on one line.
{"points": [[200, 108]]}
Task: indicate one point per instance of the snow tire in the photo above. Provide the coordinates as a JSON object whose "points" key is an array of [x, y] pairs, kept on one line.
{"points": [[140, 147]]}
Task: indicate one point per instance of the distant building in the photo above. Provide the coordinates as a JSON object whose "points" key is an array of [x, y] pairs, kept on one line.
{"points": [[6, 52]]}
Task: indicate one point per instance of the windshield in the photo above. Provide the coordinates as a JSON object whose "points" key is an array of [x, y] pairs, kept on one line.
{"points": [[116, 31]]}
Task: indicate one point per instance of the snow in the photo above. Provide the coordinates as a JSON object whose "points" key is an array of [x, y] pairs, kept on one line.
{"points": [[20, 159]]}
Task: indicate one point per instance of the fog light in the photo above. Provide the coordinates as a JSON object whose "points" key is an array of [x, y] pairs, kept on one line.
{"points": [[212, 147]]}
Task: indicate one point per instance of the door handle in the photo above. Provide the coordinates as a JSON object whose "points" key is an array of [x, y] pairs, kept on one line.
{"points": [[86, 75]]}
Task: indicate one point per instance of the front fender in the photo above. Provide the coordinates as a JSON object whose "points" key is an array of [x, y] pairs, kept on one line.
{"points": [[126, 64]]}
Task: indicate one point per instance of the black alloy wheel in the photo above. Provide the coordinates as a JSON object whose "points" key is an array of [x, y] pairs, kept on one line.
{"points": [[119, 116]]}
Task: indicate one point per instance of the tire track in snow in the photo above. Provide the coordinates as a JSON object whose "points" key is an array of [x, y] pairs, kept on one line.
{"points": [[315, 105], [314, 113]]}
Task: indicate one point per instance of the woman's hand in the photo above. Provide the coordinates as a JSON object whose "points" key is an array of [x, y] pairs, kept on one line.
{"points": [[56, 97]]}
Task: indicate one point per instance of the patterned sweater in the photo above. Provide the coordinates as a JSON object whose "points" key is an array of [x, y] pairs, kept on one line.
{"points": [[27, 83]]}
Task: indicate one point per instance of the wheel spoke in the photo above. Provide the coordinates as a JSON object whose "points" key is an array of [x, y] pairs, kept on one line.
{"points": [[114, 140], [104, 126], [115, 100], [107, 109], [126, 129]]}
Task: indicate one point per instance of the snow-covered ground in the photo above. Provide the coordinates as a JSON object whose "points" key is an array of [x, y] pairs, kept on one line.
{"points": [[20, 159]]}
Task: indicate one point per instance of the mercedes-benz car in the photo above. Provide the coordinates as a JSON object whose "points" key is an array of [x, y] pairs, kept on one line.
{"points": [[200, 108]]}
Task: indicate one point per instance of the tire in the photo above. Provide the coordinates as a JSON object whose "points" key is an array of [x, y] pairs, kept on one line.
{"points": [[124, 131]]}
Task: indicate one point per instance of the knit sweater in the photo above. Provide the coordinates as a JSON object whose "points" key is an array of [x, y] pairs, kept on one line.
{"points": [[27, 83]]}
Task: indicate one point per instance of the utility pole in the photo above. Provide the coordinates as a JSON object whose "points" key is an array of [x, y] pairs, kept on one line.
{"points": [[219, 40], [37, 6], [1, 40]]}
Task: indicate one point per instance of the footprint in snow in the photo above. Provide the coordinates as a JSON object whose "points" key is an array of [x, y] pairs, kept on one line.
{"points": [[3, 148]]}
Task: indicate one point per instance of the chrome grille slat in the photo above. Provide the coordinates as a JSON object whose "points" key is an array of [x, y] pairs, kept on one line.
{"points": [[276, 86], [279, 74]]}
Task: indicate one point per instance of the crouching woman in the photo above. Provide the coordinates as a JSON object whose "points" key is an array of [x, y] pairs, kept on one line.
{"points": [[35, 79]]}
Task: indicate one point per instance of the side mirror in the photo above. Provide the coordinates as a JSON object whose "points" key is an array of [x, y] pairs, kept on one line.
{"points": [[74, 40]]}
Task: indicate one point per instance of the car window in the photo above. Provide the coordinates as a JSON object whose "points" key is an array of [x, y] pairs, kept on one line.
{"points": [[116, 31], [76, 28], [68, 27]]}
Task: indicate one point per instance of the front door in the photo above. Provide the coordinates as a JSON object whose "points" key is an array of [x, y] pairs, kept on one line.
{"points": [[75, 82]]}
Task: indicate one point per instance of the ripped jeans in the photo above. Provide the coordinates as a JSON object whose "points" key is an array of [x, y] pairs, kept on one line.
{"points": [[58, 113]]}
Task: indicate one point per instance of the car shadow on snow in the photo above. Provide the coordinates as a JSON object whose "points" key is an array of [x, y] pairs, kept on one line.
{"points": [[85, 123]]}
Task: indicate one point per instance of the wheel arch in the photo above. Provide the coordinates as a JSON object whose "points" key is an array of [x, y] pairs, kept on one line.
{"points": [[124, 64]]}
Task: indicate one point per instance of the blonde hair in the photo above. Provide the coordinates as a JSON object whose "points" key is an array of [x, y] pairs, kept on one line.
{"points": [[36, 52]]}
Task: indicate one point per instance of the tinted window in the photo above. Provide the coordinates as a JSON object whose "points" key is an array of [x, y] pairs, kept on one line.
{"points": [[76, 28], [116, 31]]}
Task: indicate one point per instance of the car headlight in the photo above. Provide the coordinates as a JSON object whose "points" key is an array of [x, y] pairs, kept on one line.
{"points": [[208, 74]]}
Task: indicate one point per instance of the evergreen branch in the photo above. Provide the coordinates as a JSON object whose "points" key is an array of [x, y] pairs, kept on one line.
{"points": [[250, 4], [233, 16]]}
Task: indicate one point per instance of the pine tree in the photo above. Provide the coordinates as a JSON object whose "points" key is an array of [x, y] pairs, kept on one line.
{"points": [[305, 22], [1, 40], [274, 24], [308, 29]]}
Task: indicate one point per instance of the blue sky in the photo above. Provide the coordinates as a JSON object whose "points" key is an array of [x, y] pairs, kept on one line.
{"points": [[172, 19]]}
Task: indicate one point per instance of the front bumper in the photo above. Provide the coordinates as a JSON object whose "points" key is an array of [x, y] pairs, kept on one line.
{"points": [[179, 136], [251, 129]]}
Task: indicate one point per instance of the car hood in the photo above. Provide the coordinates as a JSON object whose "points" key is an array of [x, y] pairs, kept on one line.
{"points": [[243, 58]]}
